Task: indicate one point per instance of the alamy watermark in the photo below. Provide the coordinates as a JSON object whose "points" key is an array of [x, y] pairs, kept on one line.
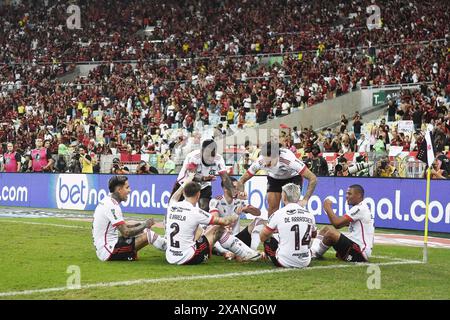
{"points": [[74, 20], [374, 20], [374, 280], [74, 279]]}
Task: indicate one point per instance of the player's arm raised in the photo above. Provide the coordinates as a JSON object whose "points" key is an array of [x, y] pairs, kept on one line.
{"points": [[336, 221], [177, 195]]}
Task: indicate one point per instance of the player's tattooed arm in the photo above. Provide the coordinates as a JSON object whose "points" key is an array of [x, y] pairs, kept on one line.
{"points": [[312, 182], [227, 184], [241, 182], [265, 234], [198, 177], [251, 210], [128, 231], [224, 221]]}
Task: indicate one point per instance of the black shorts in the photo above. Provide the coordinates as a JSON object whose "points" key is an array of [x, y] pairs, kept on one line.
{"points": [[275, 185], [270, 248], [124, 250], [202, 251], [205, 193], [245, 237], [347, 250]]}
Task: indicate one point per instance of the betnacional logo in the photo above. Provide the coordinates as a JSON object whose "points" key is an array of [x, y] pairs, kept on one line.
{"points": [[72, 191]]}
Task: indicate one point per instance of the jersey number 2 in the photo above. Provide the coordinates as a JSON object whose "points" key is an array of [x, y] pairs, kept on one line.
{"points": [[176, 227]]}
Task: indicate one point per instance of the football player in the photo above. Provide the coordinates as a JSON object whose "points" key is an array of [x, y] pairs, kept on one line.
{"points": [[206, 163], [283, 167], [296, 227]]}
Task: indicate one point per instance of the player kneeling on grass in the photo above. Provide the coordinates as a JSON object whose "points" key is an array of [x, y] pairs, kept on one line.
{"points": [[108, 222], [184, 219], [296, 227], [227, 205], [357, 246]]}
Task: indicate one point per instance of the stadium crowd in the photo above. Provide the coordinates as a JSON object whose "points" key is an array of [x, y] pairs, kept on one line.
{"points": [[200, 77]]}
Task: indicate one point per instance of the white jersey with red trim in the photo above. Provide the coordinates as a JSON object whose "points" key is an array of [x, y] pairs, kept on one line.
{"points": [[220, 205], [194, 158], [107, 217], [361, 228], [288, 166], [182, 221], [295, 225]]}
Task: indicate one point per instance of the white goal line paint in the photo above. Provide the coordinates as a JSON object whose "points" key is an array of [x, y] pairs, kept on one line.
{"points": [[202, 277]]}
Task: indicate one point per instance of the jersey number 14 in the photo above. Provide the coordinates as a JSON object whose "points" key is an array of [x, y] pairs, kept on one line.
{"points": [[306, 238]]}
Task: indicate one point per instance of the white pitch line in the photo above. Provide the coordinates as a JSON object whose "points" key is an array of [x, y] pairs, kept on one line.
{"points": [[46, 224], [201, 277], [393, 259]]}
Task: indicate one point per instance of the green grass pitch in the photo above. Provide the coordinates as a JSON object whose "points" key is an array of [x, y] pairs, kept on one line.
{"points": [[36, 254]]}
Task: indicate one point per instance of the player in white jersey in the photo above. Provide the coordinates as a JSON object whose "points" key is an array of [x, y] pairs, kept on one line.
{"points": [[357, 245], [184, 218], [226, 205], [109, 222], [206, 163], [296, 227], [282, 167]]}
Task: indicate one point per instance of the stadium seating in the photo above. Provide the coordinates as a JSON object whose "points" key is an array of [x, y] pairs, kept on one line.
{"points": [[169, 73]]}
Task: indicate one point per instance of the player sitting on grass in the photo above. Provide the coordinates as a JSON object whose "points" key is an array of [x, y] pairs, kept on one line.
{"points": [[296, 227], [108, 222], [184, 218], [357, 246], [226, 205]]}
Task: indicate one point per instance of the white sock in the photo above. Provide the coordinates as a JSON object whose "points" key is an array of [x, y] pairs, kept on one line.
{"points": [[219, 248], [156, 240], [258, 226], [318, 247], [230, 242]]}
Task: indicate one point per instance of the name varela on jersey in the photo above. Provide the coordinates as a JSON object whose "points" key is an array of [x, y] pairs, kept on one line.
{"points": [[182, 221]]}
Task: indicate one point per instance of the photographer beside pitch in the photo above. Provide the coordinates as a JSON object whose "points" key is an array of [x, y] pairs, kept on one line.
{"points": [[357, 246]]}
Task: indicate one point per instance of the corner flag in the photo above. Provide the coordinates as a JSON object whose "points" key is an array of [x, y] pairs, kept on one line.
{"points": [[426, 150], [426, 154]]}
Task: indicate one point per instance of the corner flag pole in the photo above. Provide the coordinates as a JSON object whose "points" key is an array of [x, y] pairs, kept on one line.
{"points": [[429, 160], [425, 238]]}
